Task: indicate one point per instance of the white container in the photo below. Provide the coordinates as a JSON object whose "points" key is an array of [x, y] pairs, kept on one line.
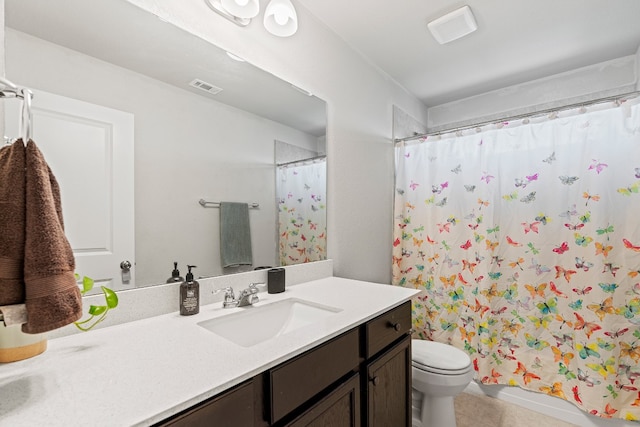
{"points": [[16, 345]]}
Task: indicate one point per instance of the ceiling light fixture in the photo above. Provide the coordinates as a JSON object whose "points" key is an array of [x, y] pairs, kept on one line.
{"points": [[241, 8], [453, 25], [217, 7], [280, 17]]}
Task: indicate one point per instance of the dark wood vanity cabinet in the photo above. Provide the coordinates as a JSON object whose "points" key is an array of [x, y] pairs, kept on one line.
{"points": [[388, 369], [389, 387], [232, 408], [340, 408], [360, 378], [296, 382]]}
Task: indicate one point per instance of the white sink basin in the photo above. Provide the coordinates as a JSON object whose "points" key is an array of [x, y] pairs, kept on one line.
{"points": [[255, 324]]}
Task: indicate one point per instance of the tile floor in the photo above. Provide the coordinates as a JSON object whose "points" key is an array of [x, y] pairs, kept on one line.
{"points": [[482, 411]]}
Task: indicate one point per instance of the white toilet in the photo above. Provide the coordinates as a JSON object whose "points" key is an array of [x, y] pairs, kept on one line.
{"points": [[439, 373]]}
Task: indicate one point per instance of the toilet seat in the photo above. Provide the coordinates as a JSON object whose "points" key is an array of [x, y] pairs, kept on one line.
{"points": [[439, 358], [433, 370]]}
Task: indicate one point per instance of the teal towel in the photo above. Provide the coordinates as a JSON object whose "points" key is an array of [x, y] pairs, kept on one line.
{"points": [[235, 234]]}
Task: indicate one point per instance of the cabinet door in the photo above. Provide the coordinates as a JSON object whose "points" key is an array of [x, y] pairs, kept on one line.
{"points": [[389, 387], [341, 408], [233, 408]]}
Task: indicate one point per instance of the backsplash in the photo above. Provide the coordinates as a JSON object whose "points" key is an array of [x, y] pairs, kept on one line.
{"points": [[137, 304]]}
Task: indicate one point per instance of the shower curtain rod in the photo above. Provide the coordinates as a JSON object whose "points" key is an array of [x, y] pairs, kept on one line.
{"points": [[521, 116], [310, 159]]}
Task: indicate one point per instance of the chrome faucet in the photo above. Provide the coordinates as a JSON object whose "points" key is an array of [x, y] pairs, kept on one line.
{"points": [[248, 296], [229, 297]]}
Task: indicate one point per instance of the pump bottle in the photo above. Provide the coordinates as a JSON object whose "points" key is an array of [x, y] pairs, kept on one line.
{"points": [[175, 275], [189, 295]]}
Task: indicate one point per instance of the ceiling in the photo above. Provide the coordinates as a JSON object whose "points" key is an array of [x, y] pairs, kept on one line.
{"points": [[516, 40], [120, 33]]}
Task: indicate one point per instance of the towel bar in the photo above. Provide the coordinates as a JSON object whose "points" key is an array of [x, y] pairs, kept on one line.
{"points": [[206, 204]]}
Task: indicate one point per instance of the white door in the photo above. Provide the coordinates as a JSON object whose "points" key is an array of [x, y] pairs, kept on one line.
{"points": [[90, 151]]}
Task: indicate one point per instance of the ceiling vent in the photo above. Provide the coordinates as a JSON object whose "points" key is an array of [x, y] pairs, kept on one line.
{"points": [[453, 25], [207, 87]]}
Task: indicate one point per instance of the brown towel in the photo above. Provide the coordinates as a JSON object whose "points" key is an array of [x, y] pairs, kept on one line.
{"points": [[12, 223], [51, 294]]}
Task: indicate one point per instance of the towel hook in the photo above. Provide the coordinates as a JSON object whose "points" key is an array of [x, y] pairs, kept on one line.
{"points": [[9, 89], [25, 115]]}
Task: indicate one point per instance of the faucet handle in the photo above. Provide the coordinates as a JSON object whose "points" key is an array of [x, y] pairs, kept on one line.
{"points": [[254, 288], [228, 293], [257, 287]]}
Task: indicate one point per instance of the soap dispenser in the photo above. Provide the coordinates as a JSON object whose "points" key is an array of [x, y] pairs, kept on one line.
{"points": [[175, 275], [189, 295]]}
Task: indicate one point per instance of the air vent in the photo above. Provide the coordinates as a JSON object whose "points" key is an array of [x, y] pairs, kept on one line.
{"points": [[207, 87], [453, 25]]}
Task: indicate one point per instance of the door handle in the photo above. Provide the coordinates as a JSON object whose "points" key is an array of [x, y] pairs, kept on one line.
{"points": [[125, 267]]}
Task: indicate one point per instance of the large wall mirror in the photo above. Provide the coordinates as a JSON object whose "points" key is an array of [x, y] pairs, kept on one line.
{"points": [[188, 142]]}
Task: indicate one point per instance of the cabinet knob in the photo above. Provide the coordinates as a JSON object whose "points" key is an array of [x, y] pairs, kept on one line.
{"points": [[397, 326], [375, 380]]}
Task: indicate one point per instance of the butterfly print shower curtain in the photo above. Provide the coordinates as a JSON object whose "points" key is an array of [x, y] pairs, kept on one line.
{"points": [[525, 242], [302, 217]]}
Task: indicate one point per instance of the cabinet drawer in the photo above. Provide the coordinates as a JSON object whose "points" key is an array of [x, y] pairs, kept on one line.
{"points": [[297, 381], [232, 408], [388, 327]]}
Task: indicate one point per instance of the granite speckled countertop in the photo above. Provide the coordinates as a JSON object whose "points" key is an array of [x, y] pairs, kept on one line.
{"points": [[139, 373]]}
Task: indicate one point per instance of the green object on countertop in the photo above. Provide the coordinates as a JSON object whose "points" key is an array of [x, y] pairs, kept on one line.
{"points": [[111, 300]]}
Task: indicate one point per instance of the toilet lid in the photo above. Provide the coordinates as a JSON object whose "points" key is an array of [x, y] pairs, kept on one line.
{"points": [[431, 354]]}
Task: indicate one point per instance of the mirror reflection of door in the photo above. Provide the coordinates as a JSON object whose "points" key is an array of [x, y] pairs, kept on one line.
{"points": [[89, 148]]}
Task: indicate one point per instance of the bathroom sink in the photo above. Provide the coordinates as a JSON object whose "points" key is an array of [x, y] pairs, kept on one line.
{"points": [[255, 324]]}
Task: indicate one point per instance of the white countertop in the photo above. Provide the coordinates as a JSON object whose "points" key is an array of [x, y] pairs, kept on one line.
{"points": [[142, 372]]}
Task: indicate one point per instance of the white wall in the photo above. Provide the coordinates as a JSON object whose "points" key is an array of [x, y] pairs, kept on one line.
{"points": [[609, 78], [360, 102], [186, 147]]}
